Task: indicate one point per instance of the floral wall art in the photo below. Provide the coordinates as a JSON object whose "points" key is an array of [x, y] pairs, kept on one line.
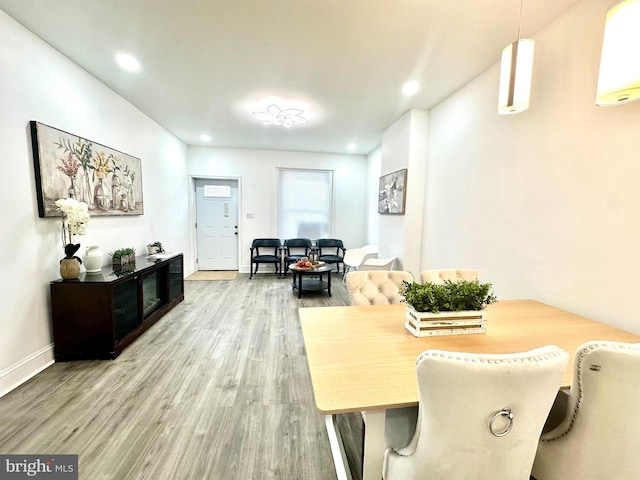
{"points": [[68, 166]]}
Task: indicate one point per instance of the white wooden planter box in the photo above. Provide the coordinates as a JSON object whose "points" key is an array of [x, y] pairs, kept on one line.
{"points": [[425, 324]]}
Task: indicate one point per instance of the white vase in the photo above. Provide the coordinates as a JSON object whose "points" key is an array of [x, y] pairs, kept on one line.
{"points": [[92, 259]]}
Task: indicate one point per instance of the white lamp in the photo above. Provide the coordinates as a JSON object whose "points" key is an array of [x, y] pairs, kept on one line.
{"points": [[516, 69], [619, 79]]}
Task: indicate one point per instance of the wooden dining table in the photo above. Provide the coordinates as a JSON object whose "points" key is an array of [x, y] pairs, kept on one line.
{"points": [[361, 358]]}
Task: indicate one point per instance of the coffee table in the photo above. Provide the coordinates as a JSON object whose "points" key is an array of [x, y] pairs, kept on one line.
{"points": [[310, 279]]}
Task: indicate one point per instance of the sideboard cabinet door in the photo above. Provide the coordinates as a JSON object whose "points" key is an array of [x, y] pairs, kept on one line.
{"points": [[125, 308], [176, 279]]}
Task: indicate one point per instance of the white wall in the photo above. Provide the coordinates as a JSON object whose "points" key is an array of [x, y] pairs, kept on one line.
{"points": [[395, 156], [38, 83], [258, 174], [416, 184], [404, 145], [374, 165], [544, 203]]}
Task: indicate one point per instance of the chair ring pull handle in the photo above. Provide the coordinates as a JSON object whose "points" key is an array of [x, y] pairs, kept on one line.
{"points": [[505, 412]]}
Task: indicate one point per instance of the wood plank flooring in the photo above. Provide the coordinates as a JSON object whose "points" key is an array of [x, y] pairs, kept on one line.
{"points": [[219, 389]]}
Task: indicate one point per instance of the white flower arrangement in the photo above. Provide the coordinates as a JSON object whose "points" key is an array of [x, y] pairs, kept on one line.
{"points": [[75, 218]]}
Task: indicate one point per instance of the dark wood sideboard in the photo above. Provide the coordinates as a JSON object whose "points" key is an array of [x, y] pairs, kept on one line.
{"points": [[97, 315]]}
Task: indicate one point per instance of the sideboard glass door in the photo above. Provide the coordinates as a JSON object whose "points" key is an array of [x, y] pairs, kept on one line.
{"points": [[151, 293], [125, 308]]}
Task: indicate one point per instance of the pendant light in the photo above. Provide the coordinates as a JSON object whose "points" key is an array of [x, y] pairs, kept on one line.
{"points": [[515, 74], [619, 78]]}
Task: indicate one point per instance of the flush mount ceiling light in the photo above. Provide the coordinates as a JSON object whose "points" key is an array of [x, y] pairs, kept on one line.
{"points": [[352, 147], [619, 78], [205, 138], [128, 62], [515, 75], [276, 116]]}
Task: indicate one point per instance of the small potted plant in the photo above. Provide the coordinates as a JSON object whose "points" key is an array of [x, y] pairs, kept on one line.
{"points": [[123, 256], [155, 247], [447, 308]]}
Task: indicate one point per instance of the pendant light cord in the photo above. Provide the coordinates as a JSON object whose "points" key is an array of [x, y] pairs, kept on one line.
{"points": [[520, 19]]}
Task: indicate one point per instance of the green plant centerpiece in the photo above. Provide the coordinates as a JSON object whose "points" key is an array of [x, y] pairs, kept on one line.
{"points": [[448, 296], [447, 308]]}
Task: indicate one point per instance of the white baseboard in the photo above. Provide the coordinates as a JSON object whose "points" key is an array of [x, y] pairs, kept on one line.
{"points": [[18, 373]]}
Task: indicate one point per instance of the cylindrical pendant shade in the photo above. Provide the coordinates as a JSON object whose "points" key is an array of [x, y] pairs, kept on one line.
{"points": [[619, 79], [515, 77]]}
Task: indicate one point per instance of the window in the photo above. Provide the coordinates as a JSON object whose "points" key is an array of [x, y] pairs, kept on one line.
{"points": [[304, 207]]}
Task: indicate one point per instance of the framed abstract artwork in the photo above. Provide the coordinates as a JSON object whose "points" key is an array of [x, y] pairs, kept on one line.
{"points": [[69, 166], [392, 192]]}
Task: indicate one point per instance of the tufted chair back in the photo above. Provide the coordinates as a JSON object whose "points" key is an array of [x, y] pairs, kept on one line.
{"points": [[600, 433], [453, 274], [376, 287], [491, 430]]}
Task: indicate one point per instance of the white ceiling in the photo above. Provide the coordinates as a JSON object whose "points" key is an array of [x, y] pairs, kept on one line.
{"points": [[206, 64]]}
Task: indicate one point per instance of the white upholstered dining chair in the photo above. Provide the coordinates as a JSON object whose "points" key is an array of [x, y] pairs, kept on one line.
{"points": [[480, 415], [453, 274], [376, 287], [599, 435]]}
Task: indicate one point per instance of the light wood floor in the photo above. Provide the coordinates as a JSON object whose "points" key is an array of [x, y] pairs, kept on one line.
{"points": [[219, 389]]}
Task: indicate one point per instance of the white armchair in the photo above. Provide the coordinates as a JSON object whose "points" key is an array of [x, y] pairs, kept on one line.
{"points": [[376, 288], [480, 416], [599, 435], [453, 274], [378, 264], [355, 257]]}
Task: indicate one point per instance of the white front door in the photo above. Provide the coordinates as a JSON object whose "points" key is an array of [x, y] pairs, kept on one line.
{"points": [[217, 224]]}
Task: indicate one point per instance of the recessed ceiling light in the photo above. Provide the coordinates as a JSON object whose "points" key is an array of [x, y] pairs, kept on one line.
{"points": [[128, 62], [410, 88], [205, 138], [352, 146]]}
